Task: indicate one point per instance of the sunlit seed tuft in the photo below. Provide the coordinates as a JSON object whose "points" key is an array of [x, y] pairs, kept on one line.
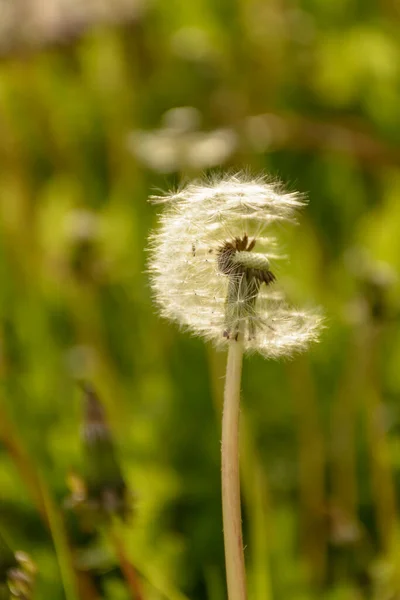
{"points": [[211, 260]]}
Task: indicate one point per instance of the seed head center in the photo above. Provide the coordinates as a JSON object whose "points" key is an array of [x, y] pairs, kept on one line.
{"points": [[235, 258]]}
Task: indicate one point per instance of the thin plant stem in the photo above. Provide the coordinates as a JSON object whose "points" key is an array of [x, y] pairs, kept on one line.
{"points": [[61, 544], [382, 481], [256, 497], [44, 503], [254, 491], [127, 568], [234, 555], [22, 461], [311, 469]]}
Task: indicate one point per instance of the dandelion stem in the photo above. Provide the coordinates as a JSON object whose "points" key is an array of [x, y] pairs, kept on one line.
{"points": [[234, 555]]}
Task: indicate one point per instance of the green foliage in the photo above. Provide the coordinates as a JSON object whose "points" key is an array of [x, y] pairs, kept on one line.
{"points": [[306, 91]]}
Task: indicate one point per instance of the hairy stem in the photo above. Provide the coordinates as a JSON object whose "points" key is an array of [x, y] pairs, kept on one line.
{"points": [[234, 556]]}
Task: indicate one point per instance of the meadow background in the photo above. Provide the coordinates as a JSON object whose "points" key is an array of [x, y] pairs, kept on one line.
{"points": [[102, 104]]}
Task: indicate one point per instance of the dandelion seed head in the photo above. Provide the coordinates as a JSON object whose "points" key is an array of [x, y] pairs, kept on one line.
{"points": [[210, 265]]}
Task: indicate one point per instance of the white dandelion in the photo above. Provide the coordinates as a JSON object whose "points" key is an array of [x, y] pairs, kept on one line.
{"points": [[211, 272], [211, 265]]}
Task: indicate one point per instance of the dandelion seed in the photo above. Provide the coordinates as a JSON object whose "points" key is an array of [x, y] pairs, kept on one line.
{"points": [[211, 267]]}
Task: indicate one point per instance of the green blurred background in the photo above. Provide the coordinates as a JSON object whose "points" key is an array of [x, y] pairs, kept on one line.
{"points": [[104, 103]]}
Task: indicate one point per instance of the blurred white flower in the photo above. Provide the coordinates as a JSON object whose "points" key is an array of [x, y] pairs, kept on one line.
{"points": [[178, 144], [210, 265], [40, 22]]}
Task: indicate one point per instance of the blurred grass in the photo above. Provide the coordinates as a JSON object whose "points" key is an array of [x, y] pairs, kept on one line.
{"points": [[306, 91]]}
